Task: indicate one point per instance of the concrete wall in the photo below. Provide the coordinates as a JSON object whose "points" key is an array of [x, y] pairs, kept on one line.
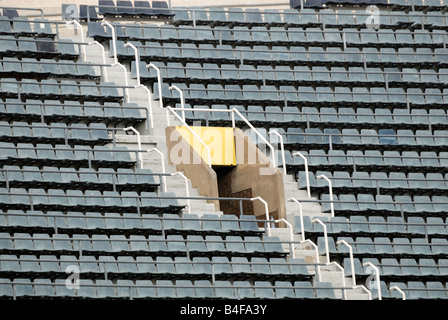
{"points": [[253, 171], [259, 176], [201, 175]]}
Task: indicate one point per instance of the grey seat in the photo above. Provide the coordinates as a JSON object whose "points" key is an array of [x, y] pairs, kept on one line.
{"points": [[128, 290], [204, 289], [324, 290], [105, 289], [144, 289], [304, 290], [224, 289]]}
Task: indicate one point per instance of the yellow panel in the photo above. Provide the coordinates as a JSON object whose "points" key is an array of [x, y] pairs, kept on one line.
{"points": [[219, 140]]}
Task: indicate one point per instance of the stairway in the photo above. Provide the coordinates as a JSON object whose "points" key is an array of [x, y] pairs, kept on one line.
{"points": [[154, 140], [326, 272]]}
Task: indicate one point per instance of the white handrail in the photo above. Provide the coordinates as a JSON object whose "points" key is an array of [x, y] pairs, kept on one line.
{"points": [[104, 69], [327, 251], [182, 99], [159, 80], [186, 188], [291, 236], [149, 108], [274, 161], [139, 142], [282, 148], [377, 276], [114, 40], [126, 82], [266, 209], [316, 253], [352, 264], [403, 295], [300, 216], [342, 276], [330, 188], [163, 166], [137, 60], [83, 49], [305, 160], [194, 134]]}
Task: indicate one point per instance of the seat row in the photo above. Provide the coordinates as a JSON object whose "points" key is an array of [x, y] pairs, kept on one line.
{"points": [[369, 139], [125, 9], [71, 111], [375, 226], [305, 17], [282, 55], [397, 118], [23, 26], [32, 177], [63, 156], [414, 290], [152, 245], [130, 224], [51, 89], [44, 288]]}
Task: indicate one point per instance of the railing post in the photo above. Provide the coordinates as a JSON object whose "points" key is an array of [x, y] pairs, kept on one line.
{"points": [[300, 216], [149, 109], [352, 264], [330, 187], [139, 141], [194, 134], [163, 166], [282, 148], [291, 236], [274, 161], [377, 277], [327, 251], [266, 209], [104, 69], [159, 80], [114, 40], [186, 188], [316, 257], [182, 99], [344, 291], [403, 295], [83, 50], [137, 60], [305, 160]]}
